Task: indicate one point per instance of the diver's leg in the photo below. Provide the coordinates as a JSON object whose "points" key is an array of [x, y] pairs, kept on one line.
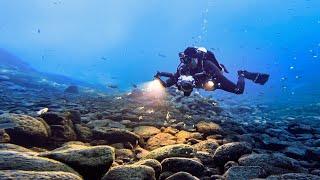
{"points": [[259, 78], [226, 85]]}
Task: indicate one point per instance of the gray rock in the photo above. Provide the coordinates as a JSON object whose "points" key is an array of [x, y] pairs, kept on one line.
{"points": [[83, 132], [90, 161], [156, 165], [296, 152], [244, 173], [62, 129], [177, 164], [299, 129], [205, 157], [113, 135], [313, 154], [272, 163], [294, 176], [12, 160], [316, 172], [230, 164], [231, 152], [74, 116], [177, 150], [25, 130], [273, 143], [316, 143], [37, 175], [182, 176], [130, 172]]}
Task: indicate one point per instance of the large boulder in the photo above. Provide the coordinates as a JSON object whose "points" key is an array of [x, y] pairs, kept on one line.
{"points": [[160, 140], [113, 135], [177, 150], [272, 163], [12, 160], [177, 164], [244, 173], [146, 131], [231, 152], [208, 128], [130, 172], [25, 130], [90, 161], [294, 176], [38, 175]]}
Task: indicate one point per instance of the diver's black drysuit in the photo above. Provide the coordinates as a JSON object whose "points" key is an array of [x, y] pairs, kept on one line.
{"points": [[208, 68], [210, 71]]}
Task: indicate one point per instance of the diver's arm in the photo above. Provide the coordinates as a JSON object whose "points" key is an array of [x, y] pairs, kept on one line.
{"points": [[172, 80], [164, 74]]}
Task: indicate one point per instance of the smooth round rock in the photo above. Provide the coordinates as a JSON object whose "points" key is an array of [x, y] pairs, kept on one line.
{"points": [[177, 150], [182, 176], [177, 164], [38, 175], [90, 161], [130, 172], [231, 152], [24, 130], [273, 164], [244, 173]]}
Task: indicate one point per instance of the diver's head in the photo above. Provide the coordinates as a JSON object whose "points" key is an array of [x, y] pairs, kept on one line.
{"points": [[186, 83], [188, 60]]}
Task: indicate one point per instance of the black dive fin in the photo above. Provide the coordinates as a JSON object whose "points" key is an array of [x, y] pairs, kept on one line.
{"points": [[259, 78]]}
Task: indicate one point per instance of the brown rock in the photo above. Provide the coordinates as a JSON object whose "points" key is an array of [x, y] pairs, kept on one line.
{"points": [[208, 128], [160, 140], [146, 131]]}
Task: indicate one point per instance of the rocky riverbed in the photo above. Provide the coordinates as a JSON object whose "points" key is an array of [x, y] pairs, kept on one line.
{"points": [[130, 136]]}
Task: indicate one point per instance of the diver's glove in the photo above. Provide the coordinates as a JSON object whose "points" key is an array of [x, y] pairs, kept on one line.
{"points": [[157, 76]]}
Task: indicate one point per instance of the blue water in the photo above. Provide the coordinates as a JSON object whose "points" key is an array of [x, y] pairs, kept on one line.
{"points": [[123, 42]]}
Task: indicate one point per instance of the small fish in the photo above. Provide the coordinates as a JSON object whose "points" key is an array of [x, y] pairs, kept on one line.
{"points": [[103, 58], [39, 31], [134, 85], [162, 55], [42, 111], [112, 86]]}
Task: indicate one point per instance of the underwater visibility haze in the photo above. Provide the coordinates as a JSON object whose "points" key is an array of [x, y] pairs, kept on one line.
{"points": [[149, 89]]}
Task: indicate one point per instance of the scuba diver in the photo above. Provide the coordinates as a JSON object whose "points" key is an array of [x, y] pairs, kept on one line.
{"points": [[199, 68]]}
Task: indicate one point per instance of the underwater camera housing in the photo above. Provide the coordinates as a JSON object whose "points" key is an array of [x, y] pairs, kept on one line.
{"points": [[186, 84]]}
